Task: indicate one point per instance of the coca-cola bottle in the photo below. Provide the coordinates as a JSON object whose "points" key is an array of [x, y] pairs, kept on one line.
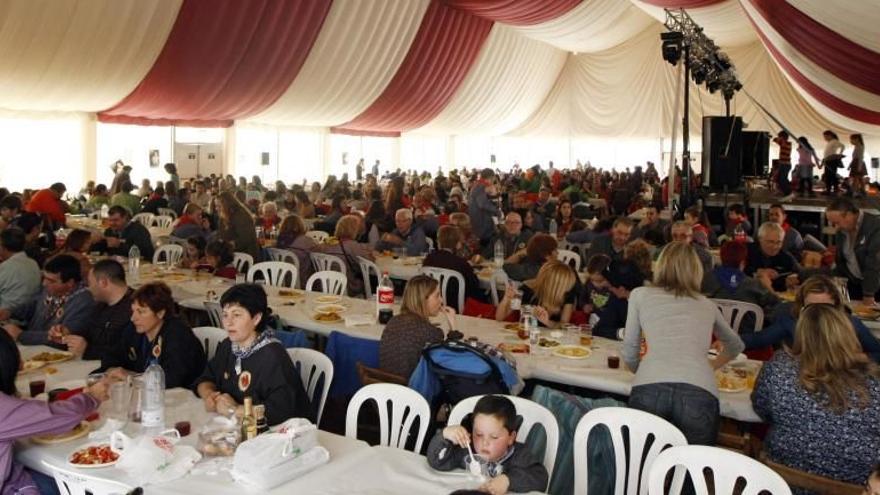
{"points": [[385, 299]]}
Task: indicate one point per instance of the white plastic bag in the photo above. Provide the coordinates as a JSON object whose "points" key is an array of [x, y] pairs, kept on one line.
{"points": [[153, 458], [284, 472], [290, 440]]}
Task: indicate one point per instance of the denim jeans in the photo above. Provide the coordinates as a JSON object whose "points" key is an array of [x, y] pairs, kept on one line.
{"points": [[691, 409]]}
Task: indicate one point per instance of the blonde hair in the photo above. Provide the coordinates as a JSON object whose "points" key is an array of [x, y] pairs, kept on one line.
{"points": [[833, 366], [555, 279], [416, 293], [679, 270], [462, 221], [347, 227]]}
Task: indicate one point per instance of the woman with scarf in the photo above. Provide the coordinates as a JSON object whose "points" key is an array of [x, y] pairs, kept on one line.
{"points": [[252, 363]]}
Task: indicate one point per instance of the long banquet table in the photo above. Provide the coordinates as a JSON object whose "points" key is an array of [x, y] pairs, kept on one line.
{"points": [[592, 373], [354, 466]]}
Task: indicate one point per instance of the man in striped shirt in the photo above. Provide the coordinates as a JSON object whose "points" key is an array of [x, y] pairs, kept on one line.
{"points": [[783, 164]]}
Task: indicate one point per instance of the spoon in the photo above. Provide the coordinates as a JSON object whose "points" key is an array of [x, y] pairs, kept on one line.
{"points": [[474, 464]]}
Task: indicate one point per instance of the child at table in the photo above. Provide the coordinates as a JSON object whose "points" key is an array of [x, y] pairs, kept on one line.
{"points": [[219, 260], [492, 428]]}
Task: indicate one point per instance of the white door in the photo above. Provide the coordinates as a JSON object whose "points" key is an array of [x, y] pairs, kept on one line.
{"points": [[210, 159], [198, 159]]}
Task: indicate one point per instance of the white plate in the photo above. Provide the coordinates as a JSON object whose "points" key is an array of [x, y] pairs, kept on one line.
{"points": [[90, 466], [330, 308], [560, 352], [328, 299]]}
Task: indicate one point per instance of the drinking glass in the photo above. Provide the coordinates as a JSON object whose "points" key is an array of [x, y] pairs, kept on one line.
{"points": [[120, 399], [136, 401], [572, 332], [586, 335]]}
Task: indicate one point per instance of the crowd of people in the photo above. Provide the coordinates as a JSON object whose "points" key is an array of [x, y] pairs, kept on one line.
{"points": [[646, 281]]}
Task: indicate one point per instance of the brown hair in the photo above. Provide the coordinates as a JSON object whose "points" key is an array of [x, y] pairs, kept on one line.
{"points": [[639, 253], [833, 366], [416, 294], [448, 237], [598, 263], [540, 246], [156, 296], [817, 284], [347, 227], [77, 240], [292, 226]]}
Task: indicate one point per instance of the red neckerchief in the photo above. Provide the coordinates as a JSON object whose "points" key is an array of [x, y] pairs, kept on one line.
{"points": [[786, 226]]}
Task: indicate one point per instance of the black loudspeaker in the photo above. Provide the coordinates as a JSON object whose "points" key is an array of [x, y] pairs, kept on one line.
{"points": [[755, 153], [722, 153]]}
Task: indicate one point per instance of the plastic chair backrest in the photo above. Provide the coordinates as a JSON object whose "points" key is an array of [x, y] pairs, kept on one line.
{"points": [[171, 253], [498, 283], [406, 406], [727, 468], [368, 268], [532, 413], [331, 282], [215, 313], [570, 258], [329, 262], [210, 337], [734, 311], [641, 427], [430, 243], [287, 256], [145, 219], [242, 262], [80, 483], [275, 273], [311, 365], [443, 276], [318, 236], [167, 212], [162, 221]]}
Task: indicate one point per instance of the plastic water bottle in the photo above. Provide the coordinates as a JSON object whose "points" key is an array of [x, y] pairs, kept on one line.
{"points": [[553, 227], [499, 253], [739, 233], [384, 294], [134, 263], [105, 211], [153, 411]]}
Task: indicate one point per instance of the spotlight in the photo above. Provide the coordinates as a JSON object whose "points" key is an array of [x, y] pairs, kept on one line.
{"points": [[671, 47]]}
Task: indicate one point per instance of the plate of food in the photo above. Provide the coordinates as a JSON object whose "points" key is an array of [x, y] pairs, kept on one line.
{"points": [[31, 365], [78, 431], [92, 456], [866, 312], [514, 348], [787, 296], [327, 299], [572, 352], [513, 327], [548, 343], [731, 380], [52, 357], [327, 317], [325, 309], [290, 293]]}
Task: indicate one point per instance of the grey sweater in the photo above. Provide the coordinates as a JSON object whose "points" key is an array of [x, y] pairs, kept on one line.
{"points": [[678, 331]]}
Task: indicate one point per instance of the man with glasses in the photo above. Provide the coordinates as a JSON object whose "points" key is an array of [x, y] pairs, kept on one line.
{"points": [[858, 249], [511, 235], [775, 267]]}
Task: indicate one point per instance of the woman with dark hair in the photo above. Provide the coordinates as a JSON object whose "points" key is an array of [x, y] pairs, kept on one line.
{"points": [[77, 244], [156, 335], [304, 206], [832, 159], [292, 237], [25, 418], [237, 226], [252, 363], [172, 174], [564, 218]]}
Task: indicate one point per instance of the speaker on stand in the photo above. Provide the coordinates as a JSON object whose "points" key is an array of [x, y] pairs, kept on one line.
{"points": [[722, 153], [755, 153]]}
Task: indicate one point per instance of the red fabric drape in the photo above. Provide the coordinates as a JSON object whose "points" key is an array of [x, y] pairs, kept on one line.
{"points": [[442, 53], [223, 60], [833, 52], [515, 12], [681, 4]]}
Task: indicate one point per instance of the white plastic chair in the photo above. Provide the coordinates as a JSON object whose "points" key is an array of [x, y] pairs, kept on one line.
{"points": [[81, 483], [727, 468], [318, 236], [532, 413], [171, 253], [167, 212], [311, 365], [162, 221], [570, 258], [499, 282], [640, 426], [215, 313], [406, 406], [430, 243], [242, 262], [275, 273], [331, 282], [444, 275], [210, 337], [330, 262], [287, 256], [145, 219], [734, 311], [368, 268]]}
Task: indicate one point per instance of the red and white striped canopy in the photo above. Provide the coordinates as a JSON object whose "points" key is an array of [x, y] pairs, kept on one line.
{"points": [[382, 67]]}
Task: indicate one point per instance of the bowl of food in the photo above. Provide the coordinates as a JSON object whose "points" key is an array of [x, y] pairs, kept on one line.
{"points": [[327, 318]]}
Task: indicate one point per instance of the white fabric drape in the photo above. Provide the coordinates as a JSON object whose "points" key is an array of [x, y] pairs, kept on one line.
{"points": [[628, 91], [361, 45], [827, 80], [78, 55], [856, 20], [592, 26], [725, 23], [509, 80]]}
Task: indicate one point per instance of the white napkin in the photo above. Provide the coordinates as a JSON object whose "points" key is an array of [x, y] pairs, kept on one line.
{"points": [[103, 433], [359, 319]]}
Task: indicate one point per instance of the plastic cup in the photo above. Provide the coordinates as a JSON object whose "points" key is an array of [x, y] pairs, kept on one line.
{"points": [[586, 335], [37, 387], [613, 361]]}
